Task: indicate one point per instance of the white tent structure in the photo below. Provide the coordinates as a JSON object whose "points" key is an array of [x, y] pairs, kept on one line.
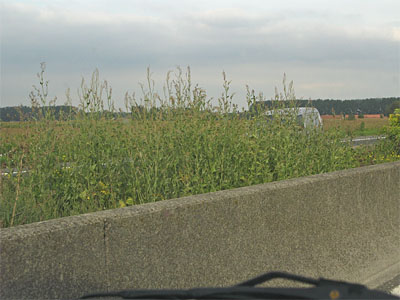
{"points": [[307, 117]]}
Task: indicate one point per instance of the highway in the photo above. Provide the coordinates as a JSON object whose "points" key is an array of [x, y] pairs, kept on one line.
{"points": [[366, 140]]}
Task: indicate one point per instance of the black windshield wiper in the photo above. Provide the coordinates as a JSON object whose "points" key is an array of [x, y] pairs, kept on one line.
{"points": [[323, 289]]}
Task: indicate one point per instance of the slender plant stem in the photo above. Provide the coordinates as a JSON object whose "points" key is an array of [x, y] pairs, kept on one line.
{"points": [[17, 192]]}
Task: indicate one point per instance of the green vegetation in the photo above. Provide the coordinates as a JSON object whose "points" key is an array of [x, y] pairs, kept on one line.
{"points": [[362, 131], [393, 131], [165, 147]]}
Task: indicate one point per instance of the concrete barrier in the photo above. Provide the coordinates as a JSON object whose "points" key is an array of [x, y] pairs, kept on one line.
{"points": [[342, 225]]}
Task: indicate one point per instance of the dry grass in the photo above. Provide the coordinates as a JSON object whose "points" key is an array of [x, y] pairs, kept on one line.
{"points": [[371, 125]]}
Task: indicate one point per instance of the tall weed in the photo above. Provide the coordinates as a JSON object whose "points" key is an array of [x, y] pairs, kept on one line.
{"points": [[166, 146]]}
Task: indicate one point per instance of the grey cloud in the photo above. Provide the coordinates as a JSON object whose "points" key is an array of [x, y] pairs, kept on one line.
{"points": [[229, 38], [201, 40]]}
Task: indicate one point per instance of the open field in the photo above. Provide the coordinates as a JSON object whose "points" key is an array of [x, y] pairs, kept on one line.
{"points": [[357, 127], [372, 126]]}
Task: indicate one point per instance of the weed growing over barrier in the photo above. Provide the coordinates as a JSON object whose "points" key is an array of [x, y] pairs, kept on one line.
{"points": [[166, 146]]}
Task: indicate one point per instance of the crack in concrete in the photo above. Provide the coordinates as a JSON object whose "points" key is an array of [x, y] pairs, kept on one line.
{"points": [[105, 227]]}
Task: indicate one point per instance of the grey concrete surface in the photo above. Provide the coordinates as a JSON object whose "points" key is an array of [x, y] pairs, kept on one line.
{"points": [[53, 259], [343, 225], [391, 286]]}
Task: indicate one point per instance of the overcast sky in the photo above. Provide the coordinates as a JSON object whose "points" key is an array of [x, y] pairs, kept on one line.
{"points": [[330, 49]]}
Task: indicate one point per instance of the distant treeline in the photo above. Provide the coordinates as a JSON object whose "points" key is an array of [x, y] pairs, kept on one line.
{"points": [[325, 107], [63, 112], [358, 106], [25, 113]]}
